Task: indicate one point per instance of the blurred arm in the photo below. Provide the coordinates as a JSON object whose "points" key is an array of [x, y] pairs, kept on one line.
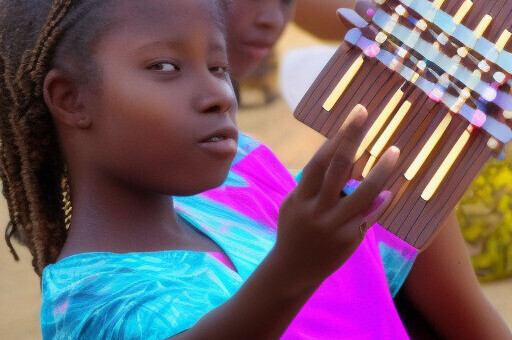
{"points": [[318, 17], [444, 289]]}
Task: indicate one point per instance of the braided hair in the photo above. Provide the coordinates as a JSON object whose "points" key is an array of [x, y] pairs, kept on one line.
{"points": [[37, 36], [31, 166]]}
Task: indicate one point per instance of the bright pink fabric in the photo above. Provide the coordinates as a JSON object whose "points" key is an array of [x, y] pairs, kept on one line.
{"points": [[355, 301], [266, 186]]}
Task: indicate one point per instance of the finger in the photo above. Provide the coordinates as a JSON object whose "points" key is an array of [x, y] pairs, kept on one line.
{"points": [[361, 199], [341, 165], [378, 206], [314, 173]]}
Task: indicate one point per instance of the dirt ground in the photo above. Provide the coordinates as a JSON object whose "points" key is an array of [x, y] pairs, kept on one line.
{"points": [[274, 125]]}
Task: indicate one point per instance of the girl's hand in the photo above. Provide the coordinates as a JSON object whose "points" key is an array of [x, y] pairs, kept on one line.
{"points": [[318, 229]]}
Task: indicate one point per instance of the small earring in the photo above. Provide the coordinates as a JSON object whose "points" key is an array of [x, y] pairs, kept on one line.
{"points": [[83, 122]]}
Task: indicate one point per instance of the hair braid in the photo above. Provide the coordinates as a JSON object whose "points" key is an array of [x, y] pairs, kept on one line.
{"points": [[55, 218], [36, 202], [4, 164], [32, 66], [11, 176]]}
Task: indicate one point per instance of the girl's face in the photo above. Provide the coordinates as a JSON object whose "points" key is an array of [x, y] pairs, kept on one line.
{"points": [[164, 115], [253, 28]]}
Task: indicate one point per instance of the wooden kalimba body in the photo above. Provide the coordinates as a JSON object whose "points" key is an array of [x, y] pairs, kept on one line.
{"points": [[435, 78]]}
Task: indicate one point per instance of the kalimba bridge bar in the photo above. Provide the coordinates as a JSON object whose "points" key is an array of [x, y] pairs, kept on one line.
{"points": [[435, 78]]}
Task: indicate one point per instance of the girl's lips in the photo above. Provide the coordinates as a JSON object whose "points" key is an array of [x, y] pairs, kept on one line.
{"points": [[222, 142], [220, 146]]}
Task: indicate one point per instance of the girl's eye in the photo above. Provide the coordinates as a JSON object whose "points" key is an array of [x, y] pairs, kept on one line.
{"points": [[165, 67]]}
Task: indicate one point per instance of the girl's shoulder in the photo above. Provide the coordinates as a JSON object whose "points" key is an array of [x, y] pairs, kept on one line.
{"points": [[141, 295], [106, 264]]}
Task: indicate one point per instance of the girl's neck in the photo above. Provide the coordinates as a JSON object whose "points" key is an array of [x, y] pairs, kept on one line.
{"points": [[112, 217]]}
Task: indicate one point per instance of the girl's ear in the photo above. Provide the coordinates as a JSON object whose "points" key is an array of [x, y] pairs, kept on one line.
{"points": [[64, 99]]}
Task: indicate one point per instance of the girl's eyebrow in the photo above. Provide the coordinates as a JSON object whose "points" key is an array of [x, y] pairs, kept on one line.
{"points": [[176, 44], [165, 43]]}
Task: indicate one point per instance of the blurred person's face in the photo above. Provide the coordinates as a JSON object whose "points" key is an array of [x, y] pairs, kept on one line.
{"points": [[254, 26]]}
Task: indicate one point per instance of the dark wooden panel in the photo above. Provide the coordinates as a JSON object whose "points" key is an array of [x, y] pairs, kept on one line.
{"points": [[409, 217]]}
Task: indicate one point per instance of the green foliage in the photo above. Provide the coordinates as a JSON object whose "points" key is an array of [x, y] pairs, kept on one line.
{"points": [[485, 218]]}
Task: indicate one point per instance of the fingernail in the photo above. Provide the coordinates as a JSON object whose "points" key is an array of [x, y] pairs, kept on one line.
{"points": [[360, 107], [383, 196], [360, 116], [395, 149]]}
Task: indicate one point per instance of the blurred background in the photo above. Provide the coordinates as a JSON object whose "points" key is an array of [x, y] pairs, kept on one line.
{"points": [[485, 213]]}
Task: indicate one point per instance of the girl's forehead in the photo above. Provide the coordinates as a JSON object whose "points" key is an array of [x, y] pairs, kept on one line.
{"points": [[175, 12], [178, 20]]}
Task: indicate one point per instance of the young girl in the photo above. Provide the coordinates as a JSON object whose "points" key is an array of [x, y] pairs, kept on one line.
{"points": [[114, 107], [125, 104]]}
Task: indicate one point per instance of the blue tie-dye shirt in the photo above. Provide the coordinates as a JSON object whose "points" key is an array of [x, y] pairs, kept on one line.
{"points": [[160, 294]]}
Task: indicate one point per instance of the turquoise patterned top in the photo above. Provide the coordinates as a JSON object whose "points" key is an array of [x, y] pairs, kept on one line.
{"points": [[160, 294]]}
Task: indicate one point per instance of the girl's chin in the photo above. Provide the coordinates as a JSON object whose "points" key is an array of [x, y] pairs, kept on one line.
{"points": [[207, 183]]}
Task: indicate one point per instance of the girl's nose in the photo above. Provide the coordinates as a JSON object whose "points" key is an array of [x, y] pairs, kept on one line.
{"points": [[217, 97], [270, 16]]}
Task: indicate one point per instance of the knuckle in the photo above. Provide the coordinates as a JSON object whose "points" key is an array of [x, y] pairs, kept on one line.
{"points": [[353, 135], [349, 238], [314, 216], [315, 163], [287, 202], [311, 210], [341, 162], [305, 211], [290, 203], [327, 223], [324, 222], [370, 183], [371, 189]]}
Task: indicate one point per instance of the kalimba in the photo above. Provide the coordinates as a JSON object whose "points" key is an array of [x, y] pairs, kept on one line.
{"points": [[436, 79]]}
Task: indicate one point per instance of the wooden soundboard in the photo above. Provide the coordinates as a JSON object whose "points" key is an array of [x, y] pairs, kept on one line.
{"points": [[435, 78]]}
